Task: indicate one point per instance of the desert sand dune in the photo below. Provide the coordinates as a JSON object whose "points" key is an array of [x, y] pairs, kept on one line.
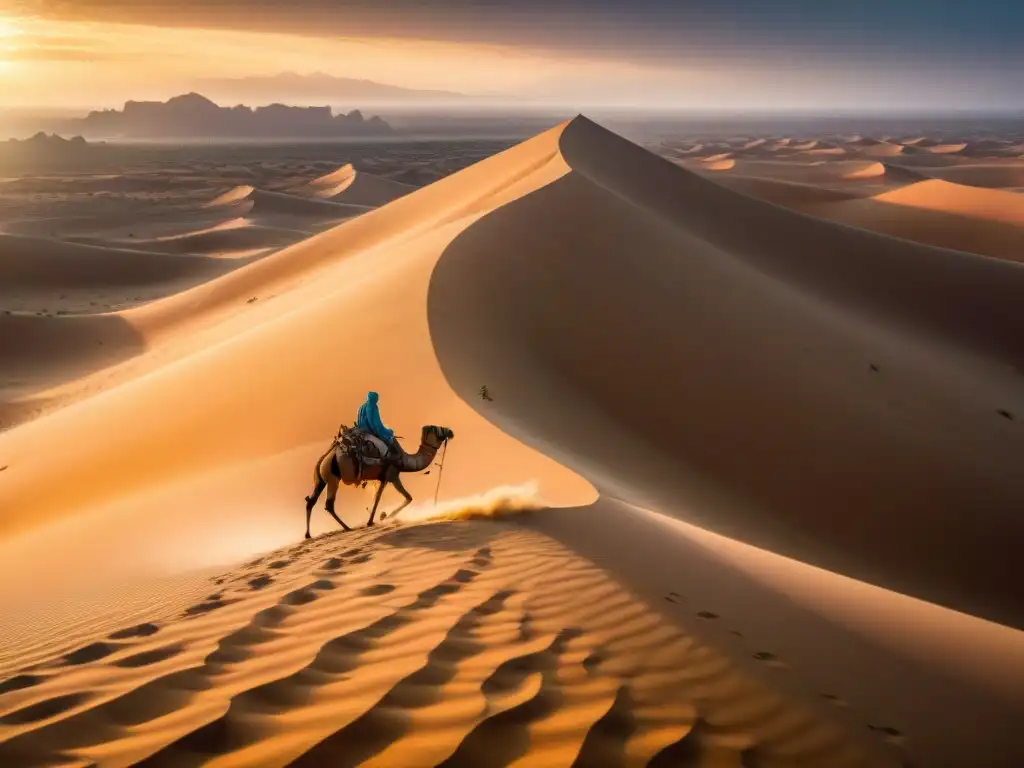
{"points": [[29, 263], [259, 201], [937, 195], [988, 222], [946, 149], [968, 316], [992, 175], [236, 237], [159, 223], [433, 645], [820, 172], [785, 384], [824, 152], [880, 150], [36, 351], [789, 193], [347, 185], [725, 164]]}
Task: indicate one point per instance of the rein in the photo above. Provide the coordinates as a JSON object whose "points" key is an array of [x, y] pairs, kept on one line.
{"points": [[440, 469]]}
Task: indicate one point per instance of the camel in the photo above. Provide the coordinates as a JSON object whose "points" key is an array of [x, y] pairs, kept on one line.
{"points": [[339, 464]]}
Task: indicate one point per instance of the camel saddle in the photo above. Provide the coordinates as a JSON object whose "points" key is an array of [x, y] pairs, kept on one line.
{"points": [[368, 452]]}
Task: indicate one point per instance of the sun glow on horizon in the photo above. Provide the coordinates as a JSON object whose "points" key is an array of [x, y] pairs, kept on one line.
{"points": [[91, 65], [9, 31]]}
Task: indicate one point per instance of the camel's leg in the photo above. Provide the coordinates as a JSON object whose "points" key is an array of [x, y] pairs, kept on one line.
{"points": [[318, 488], [397, 482], [384, 480], [332, 490]]}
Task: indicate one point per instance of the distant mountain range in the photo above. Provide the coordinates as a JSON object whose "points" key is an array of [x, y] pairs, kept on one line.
{"points": [[47, 145], [319, 88], [195, 116]]}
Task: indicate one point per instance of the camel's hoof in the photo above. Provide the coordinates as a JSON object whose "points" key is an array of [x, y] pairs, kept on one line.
{"points": [[308, 536], [369, 525]]}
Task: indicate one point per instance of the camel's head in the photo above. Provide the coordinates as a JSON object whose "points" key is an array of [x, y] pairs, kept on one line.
{"points": [[436, 435]]}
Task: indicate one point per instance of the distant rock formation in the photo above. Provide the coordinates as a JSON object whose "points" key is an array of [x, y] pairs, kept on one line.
{"points": [[44, 145], [195, 116], [320, 88]]}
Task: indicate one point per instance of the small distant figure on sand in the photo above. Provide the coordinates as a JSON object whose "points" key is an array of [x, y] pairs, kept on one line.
{"points": [[485, 394]]}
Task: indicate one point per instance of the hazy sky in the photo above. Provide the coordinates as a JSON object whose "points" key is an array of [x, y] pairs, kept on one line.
{"points": [[757, 54]]}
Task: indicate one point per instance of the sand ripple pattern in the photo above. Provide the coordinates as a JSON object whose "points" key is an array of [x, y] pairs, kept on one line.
{"points": [[450, 644]]}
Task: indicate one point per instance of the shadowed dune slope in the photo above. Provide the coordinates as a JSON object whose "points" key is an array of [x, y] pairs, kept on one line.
{"points": [[39, 351], [237, 235], [792, 367], [820, 172], [791, 194], [261, 201], [988, 222], [1003, 174], [30, 264], [938, 195]]}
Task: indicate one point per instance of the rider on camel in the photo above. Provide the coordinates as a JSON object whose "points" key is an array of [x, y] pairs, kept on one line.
{"points": [[368, 420]]}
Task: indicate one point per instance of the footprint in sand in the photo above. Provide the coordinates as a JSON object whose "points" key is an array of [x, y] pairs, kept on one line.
{"points": [[44, 710], [332, 565], [707, 615], [482, 558], [278, 564], [19, 683], [201, 608], [322, 584], [892, 735], [770, 659], [300, 597], [833, 699], [146, 658], [139, 630], [352, 552], [362, 559], [674, 597], [260, 581], [594, 660], [91, 652], [464, 576], [377, 589]]}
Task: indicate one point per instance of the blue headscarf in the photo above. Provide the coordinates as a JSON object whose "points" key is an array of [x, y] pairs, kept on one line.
{"points": [[369, 418]]}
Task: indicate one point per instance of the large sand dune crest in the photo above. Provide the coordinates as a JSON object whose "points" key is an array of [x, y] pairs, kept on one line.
{"points": [[711, 308], [780, 391]]}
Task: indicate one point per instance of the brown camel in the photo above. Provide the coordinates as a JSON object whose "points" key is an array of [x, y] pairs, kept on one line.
{"points": [[339, 464]]}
